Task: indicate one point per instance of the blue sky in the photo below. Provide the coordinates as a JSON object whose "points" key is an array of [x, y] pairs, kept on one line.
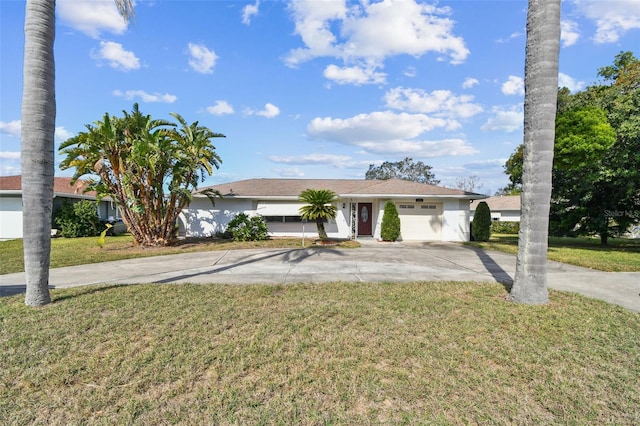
{"points": [[313, 88]]}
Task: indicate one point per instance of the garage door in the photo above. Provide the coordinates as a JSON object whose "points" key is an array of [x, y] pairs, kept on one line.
{"points": [[420, 221]]}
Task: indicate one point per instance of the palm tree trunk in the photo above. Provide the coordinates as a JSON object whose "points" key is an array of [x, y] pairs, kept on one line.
{"points": [[541, 90], [38, 128]]}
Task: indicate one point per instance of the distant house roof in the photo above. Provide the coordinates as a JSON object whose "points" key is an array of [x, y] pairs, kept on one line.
{"points": [[291, 188], [501, 203], [61, 186]]}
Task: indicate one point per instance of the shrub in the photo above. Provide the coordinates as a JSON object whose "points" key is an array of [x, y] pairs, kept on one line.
{"points": [[78, 219], [481, 225], [505, 227], [390, 228], [245, 228]]}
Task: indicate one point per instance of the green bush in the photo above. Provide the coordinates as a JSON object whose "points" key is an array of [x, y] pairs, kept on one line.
{"points": [[245, 228], [390, 228], [78, 219], [505, 227], [481, 225]]}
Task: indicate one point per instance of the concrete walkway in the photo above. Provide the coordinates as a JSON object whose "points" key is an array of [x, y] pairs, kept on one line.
{"points": [[373, 262]]}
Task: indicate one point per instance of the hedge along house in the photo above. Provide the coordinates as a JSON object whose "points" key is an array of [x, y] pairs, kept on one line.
{"points": [[11, 202], [427, 212]]}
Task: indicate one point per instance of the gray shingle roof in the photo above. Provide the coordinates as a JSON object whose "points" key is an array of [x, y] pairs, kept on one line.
{"points": [[501, 202], [288, 188]]}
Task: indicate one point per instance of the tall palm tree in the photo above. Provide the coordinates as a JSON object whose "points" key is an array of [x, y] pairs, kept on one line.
{"points": [[319, 208], [37, 157], [541, 91]]}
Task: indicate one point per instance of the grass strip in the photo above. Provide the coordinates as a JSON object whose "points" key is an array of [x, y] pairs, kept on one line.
{"points": [[339, 353]]}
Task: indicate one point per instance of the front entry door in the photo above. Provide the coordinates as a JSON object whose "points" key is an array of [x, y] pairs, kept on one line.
{"points": [[364, 219]]}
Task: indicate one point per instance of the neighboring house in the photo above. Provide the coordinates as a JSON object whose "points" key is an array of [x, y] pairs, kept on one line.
{"points": [[427, 212], [11, 202], [504, 208]]}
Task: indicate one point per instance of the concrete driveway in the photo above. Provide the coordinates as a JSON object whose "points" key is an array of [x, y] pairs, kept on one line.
{"points": [[373, 262]]}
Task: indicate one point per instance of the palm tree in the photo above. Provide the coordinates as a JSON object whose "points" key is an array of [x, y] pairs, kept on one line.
{"points": [[541, 90], [319, 208], [37, 141], [149, 167]]}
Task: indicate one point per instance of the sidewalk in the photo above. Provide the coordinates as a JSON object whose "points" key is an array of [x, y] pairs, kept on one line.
{"points": [[373, 262]]}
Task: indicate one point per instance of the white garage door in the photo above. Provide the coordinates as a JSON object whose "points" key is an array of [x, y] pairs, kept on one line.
{"points": [[420, 221], [10, 218]]}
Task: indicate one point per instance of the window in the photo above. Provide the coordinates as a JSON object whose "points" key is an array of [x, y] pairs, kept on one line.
{"points": [[428, 207]]}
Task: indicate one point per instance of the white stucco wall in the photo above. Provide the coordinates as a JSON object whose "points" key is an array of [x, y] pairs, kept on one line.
{"points": [[10, 218], [201, 219]]}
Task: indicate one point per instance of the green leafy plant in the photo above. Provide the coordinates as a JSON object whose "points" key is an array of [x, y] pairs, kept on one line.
{"points": [[103, 235], [505, 227], [390, 228], [78, 219], [481, 225], [245, 228], [320, 208]]}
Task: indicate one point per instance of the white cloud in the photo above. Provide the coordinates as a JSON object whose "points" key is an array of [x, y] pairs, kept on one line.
{"points": [[12, 128], [469, 82], [269, 111], [440, 103], [410, 72], [513, 86], [63, 134], [146, 97], [220, 108], [569, 82], [354, 75], [612, 18], [337, 161], [513, 36], [201, 59], [117, 56], [10, 164], [10, 155], [373, 31], [569, 34], [389, 133], [505, 120], [91, 17], [249, 11], [293, 172]]}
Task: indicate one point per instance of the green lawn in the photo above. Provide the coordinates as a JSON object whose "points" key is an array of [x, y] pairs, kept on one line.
{"points": [[81, 251], [418, 353], [621, 254]]}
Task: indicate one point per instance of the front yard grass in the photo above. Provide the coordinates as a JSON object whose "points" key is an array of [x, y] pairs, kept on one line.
{"points": [[81, 251], [341, 353], [621, 254]]}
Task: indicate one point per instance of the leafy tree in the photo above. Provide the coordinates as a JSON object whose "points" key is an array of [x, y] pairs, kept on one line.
{"points": [[513, 168], [405, 169], [78, 219], [390, 227], [245, 228], [38, 128], [481, 224], [596, 176], [150, 167], [319, 208], [541, 91]]}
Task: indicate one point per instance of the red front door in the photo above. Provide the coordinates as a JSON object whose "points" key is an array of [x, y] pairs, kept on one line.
{"points": [[364, 219]]}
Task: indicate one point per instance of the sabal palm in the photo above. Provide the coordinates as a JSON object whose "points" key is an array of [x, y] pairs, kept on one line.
{"points": [[37, 142], [319, 208], [541, 91]]}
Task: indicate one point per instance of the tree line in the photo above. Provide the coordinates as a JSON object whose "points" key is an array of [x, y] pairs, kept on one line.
{"points": [[596, 168]]}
